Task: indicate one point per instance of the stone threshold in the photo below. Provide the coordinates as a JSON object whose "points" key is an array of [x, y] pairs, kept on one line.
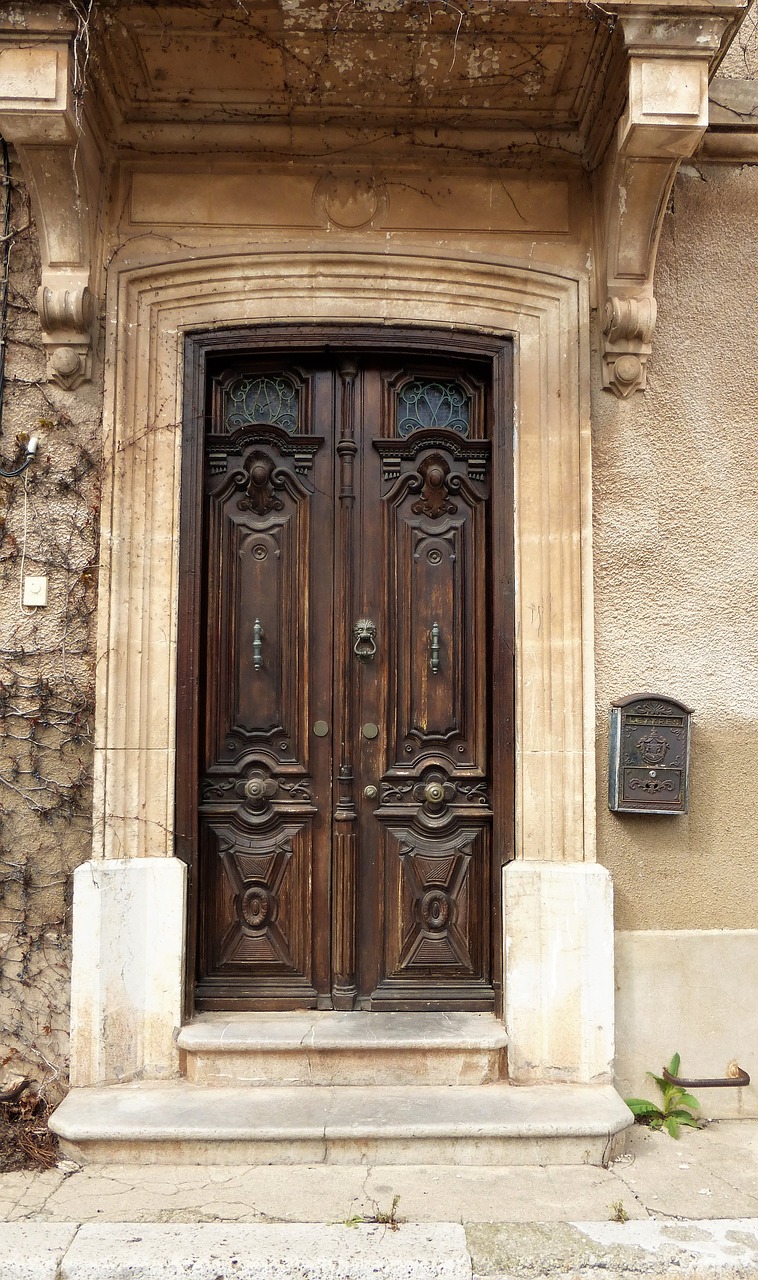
{"points": [[333, 1048], [182, 1123], [272, 1032]]}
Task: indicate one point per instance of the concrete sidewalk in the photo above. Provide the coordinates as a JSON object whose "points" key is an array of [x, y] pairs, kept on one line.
{"points": [[691, 1208]]}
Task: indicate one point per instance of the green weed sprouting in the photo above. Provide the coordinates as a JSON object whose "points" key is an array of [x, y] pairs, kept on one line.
{"points": [[677, 1108]]}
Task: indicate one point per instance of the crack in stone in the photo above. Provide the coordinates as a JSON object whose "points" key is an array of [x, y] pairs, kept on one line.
{"points": [[635, 1196], [40, 1208], [23, 1192]]}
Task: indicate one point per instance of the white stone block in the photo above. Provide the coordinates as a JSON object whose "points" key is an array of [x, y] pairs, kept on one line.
{"points": [[559, 972], [127, 969], [293, 1251], [33, 1250]]}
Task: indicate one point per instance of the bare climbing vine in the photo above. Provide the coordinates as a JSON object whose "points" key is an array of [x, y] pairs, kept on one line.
{"points": [[48, 528]]}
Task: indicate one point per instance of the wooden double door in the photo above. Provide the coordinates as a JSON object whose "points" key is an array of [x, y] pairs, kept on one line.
{"points": [[352, 683]]}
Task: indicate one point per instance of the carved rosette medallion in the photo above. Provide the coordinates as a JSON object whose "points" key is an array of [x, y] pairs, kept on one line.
{"points": [[260, 791], [256, 906], [436, 795], [434, 910], [351, 201]]}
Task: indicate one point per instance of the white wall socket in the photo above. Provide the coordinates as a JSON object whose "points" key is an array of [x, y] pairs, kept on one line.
{"points": [[35, 590]]}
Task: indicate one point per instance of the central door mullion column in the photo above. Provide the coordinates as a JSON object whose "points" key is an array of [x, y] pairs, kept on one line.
{"points": [[345, 850]]}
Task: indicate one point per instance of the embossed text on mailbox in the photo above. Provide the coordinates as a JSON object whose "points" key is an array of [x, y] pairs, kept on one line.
{"points": [[649, 755]]}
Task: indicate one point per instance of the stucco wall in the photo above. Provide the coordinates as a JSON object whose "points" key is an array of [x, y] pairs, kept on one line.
{"points": [[48, 527], [676, 562], [741, 60]]}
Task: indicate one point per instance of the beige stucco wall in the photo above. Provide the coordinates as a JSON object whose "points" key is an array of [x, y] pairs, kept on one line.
{"points": [[676, 562]]}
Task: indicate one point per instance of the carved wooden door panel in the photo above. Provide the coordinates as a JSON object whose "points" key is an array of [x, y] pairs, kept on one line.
{"points": [[425, 867], [345, 778]]}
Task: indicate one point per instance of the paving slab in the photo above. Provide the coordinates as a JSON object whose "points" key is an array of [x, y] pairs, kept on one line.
{"points": [[35, 1191], [211, 1251], [13, 1186], [198, 1193], [616, 1251], [706, 1173], [327, 1193], [33, 1250]]}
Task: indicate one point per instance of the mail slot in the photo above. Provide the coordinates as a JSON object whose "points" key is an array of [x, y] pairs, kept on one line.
{"points": [[649, 755]]}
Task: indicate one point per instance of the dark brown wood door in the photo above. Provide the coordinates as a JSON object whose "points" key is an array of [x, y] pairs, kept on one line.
{"points": [[346, 694]]}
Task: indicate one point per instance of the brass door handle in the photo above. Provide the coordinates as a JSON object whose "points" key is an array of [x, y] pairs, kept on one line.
{"points": [[257, 645], [434, 648]]}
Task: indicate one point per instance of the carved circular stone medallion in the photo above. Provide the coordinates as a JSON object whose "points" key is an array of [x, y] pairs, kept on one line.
{"points": [[627, 370], [350, 201]]}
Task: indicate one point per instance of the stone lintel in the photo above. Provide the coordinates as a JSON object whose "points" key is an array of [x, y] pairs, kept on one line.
{"points": [[40, 117], [665, 116], [732, 136]]}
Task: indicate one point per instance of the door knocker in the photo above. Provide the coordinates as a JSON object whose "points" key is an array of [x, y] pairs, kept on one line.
{"points": [[365, 639]]}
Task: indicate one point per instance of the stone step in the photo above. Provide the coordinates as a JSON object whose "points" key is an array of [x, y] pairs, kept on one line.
{"points": [[344, 1048], [176, 1122]]}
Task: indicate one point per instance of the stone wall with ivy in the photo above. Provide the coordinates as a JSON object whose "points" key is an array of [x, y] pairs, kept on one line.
{"points": [[48, 528]]}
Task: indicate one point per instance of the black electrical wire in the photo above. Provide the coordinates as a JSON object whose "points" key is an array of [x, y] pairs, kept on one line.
{"points": [[6, 254]]}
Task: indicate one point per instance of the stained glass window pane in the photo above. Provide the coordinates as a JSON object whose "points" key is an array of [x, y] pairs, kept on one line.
{"points": [[444, 405], [270, 400]]}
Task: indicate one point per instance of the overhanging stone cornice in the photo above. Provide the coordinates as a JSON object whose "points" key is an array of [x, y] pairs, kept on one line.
{"points": [[668, 59], [62, 166], [732, 136], [637, 95]]}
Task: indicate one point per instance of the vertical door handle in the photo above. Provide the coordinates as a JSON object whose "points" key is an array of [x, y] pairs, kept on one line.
{"points": [[257, 644], [434, 648]]}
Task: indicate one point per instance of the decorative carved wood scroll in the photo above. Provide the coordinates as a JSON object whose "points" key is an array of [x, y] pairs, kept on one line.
{"points": [[664, 120]]}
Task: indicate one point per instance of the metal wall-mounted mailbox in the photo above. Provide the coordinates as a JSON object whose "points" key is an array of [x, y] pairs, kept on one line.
{"points": [[649, 755]]}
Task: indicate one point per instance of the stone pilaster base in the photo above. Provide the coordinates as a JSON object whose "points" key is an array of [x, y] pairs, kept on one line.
{"points": [[127, 970], [559, 972]]}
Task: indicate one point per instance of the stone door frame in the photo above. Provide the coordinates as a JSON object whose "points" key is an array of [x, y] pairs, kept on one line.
{"points": [[559, 1015]]}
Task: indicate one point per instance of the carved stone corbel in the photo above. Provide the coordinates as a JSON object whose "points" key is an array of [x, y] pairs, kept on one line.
{"points": [[665, 117], [62, 168]]}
